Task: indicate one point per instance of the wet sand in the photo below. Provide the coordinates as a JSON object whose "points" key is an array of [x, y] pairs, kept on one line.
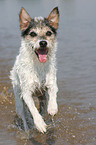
{"points": [[75, 123]]}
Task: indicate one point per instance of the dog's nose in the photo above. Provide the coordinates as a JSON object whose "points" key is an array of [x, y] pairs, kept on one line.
{"points": [[43, 43]]}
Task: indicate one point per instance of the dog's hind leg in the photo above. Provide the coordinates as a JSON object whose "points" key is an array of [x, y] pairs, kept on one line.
{"points": [[42, 101], [20, 106]]}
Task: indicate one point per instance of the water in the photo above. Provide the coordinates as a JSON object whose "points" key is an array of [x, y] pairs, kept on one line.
{"points": [[75, 123]]}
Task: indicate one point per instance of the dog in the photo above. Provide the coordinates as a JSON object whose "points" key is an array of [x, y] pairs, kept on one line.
{"points": [[35, 66]]}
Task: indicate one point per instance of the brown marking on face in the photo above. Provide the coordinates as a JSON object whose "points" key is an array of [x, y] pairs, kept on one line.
{"points": [[41, 34]]}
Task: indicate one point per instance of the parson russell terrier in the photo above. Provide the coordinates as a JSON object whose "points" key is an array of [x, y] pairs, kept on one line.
{"points": [[35, 66]]}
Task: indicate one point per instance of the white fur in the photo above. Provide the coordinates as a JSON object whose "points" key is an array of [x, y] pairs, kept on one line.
{"points": [[28, 74], [38, 18]]}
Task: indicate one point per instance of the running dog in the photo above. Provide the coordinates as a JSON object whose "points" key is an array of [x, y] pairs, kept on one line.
{"points": [[35, 66]]}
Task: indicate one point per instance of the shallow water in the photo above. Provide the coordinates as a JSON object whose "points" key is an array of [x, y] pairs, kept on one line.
{"points": [[75, 123]]}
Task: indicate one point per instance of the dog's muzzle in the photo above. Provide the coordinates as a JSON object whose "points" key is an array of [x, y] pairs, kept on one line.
{"points": [[42, 51]]}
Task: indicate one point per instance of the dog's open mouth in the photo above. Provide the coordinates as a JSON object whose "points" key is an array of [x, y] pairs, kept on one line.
{"points": [[42, 54]]}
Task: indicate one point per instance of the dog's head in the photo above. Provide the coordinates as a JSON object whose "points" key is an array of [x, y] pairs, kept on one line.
{"points": [[40, 32]]}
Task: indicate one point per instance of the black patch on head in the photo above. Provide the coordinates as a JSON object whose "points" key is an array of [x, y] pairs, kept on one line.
{"points": [[26, 31], [48, 24]]}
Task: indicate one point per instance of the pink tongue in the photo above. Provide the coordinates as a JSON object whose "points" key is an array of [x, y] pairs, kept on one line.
{"points": [[42, 58]]}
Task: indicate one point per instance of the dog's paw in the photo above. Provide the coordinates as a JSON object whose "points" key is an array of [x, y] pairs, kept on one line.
{"points": [[40, 124], [52, 108]]}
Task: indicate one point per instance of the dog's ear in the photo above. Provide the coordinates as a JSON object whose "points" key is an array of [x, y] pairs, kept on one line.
{"points": [[53, 18], [24, 19]]}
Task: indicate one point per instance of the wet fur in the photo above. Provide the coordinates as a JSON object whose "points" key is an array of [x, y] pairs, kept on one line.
{"points": [[29, 74]]}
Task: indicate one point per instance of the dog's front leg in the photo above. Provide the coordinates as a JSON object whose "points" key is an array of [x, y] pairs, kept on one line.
{"points": [[38, 120], [52, 102]]}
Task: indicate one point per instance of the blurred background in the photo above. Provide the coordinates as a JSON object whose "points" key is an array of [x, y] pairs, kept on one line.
{"points": [[76, 64]]}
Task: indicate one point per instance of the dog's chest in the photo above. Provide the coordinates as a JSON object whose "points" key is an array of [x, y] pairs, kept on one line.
{"points": [[40, 83]]}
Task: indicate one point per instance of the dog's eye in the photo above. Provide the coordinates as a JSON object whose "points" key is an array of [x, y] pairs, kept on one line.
{"points": [[49, 33], [33, 34]]}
